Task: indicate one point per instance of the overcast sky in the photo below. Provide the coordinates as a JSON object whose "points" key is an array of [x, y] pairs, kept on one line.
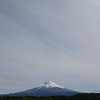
{"points": [[49, 40]]}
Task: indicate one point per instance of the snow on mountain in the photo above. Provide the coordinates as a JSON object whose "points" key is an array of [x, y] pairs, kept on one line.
{"points": [[47, 89], [50, 84]]}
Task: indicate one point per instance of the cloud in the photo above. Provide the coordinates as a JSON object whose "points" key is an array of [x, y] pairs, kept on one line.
{"points": [[49, 40]]}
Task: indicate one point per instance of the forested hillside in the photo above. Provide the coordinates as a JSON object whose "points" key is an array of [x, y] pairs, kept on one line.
{"points": [[92, 96]]}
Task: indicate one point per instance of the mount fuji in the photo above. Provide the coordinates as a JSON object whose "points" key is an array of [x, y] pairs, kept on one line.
{"points": [[47, 89]]}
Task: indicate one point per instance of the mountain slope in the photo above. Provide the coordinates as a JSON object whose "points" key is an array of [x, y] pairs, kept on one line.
{"points": [[47, 89]]}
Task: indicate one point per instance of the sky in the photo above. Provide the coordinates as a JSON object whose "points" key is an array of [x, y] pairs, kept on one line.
{"points": [[49, 40]]}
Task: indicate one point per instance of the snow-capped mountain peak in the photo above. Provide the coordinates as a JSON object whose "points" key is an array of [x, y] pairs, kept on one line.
{"points": [[47, 89], [51, 84]]}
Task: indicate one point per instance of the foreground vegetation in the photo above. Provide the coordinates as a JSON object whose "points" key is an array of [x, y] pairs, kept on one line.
{"points": [[85, 96]]}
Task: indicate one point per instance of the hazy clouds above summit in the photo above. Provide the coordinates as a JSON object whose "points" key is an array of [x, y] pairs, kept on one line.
{"points": [[42, 40]]}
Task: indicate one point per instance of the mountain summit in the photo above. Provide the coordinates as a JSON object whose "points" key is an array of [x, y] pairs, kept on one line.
{"points": [[47, 89], [51, 84]]}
